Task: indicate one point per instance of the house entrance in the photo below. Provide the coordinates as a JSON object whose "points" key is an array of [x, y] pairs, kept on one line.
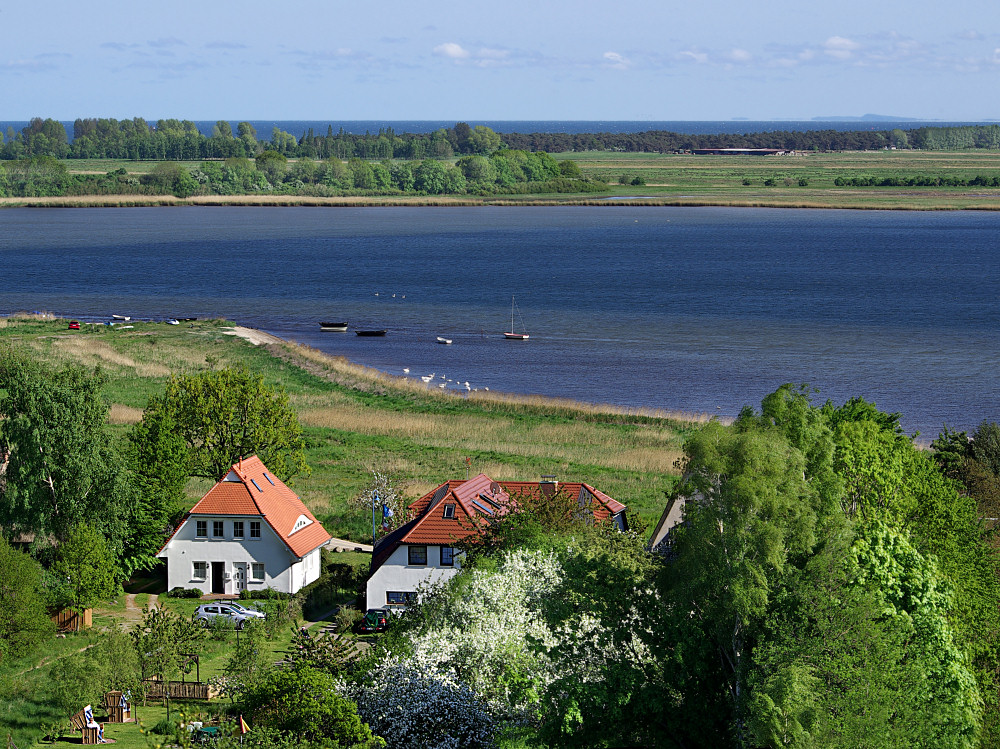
{"points": [[218, 577]]}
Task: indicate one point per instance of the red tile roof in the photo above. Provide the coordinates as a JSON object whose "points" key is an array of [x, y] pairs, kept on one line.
{"points": [[250, 489]]}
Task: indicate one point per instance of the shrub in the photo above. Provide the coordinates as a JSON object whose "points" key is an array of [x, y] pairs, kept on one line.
{"points": [[346, 618], [184, 593], [803, 182]]}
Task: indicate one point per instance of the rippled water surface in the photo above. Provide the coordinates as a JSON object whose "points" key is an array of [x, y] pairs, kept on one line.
{"points": [[696, 309]]}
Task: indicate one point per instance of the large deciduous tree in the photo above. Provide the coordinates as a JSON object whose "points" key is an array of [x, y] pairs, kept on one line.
{"points": [[88, 566], [225, 415]]}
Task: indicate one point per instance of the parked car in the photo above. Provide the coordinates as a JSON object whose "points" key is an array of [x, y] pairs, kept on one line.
{"points": [[238, 615], [375, 620], [74, 324]]}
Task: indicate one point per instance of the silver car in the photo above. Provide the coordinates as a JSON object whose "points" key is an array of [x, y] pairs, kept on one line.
{"points": [[235, 613]]}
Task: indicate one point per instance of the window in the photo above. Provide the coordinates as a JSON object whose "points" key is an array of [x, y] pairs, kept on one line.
{"points": [[237, 529], [449, 511], [202, 528], [257, 570], [254, 529], [447, 556], [217, 530], [301, 523], [399, 598], [200, 570], [417, 554]]}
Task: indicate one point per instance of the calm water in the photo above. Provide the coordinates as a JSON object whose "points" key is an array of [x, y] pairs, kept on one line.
{"points": [[697, 309]]}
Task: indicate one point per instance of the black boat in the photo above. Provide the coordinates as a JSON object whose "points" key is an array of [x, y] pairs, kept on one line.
{"points": [[371, 332], [338, 327]]}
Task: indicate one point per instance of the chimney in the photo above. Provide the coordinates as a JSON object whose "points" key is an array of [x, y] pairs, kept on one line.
{"points": [[548, 485]]}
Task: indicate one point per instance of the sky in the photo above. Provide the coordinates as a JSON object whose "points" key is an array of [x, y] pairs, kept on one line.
{"points": [[512, 60]]}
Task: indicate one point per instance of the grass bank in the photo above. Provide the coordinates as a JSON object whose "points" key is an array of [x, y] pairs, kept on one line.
{"points": [[357, 419]]}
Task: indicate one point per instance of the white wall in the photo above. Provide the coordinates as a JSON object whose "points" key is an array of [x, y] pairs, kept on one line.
{"points": [[397, 574], [279, 564]]}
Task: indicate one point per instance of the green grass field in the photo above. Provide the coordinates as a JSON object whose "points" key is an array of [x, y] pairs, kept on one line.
{"points": [[671, 179], [357, 419]]}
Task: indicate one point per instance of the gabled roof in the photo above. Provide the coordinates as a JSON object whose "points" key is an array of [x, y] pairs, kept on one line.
{"points": [[250, 489], [475, 501]]}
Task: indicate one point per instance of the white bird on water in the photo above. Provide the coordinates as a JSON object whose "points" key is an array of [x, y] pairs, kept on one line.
{"points": [[428, 378], [443, 384], [406, 370]]}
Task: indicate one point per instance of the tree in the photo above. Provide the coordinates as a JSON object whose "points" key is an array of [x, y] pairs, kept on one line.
{"points": [[87, 564], [226, 415], [23, 620], [273, 164], [162, 641], [305, 703]]}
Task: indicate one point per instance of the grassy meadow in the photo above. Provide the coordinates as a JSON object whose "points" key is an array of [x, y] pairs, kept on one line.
{"points": [[671, 179], [357, 419]]}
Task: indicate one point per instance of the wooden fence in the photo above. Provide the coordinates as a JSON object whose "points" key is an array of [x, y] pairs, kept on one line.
{"points": [[179, 690], [66, 619]]}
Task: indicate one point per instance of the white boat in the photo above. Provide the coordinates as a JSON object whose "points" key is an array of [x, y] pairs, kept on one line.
{"points": [[339, 327], [446, 341], [126, 318], [512, 336]]}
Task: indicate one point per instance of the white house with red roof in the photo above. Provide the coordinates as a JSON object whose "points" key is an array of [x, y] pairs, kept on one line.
{"points": [[422, 551], [250, 532]]}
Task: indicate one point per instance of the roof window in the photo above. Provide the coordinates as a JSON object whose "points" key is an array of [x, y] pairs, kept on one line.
{"points": [[257, 485], [449, 511], [269, 479], [482, 507]]}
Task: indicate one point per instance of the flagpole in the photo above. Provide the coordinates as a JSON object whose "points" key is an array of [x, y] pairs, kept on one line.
{"points": [[375, 501]]}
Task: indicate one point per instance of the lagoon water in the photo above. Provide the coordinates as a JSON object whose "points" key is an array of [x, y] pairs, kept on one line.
{"points": [[691, 309]]}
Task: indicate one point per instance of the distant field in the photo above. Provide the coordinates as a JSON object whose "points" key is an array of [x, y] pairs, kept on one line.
{"points": [[671, 179]]}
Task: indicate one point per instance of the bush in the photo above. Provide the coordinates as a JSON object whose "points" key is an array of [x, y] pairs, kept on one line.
{"points": [[184, 593], [638, 181], [165, 727], [268, 594], [346, 618], [803, 182]]}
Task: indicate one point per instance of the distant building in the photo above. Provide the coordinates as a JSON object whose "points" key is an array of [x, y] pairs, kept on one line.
{"points": [[422, 550], [250, 532], [739, 151]]}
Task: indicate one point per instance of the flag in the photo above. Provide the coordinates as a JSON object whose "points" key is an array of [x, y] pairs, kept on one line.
{"points": [[244, 728], [386, 512]]}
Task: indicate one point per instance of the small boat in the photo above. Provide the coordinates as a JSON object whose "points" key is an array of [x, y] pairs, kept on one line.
{"points": [[126, 318], [371, 333], [185, 319], [338, 327], [173, 322], [445, 341], [512, 336]]}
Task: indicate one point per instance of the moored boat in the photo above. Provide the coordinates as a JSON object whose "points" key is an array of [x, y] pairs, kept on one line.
{"points": [[338, 327], [371, 333], [512, 336], [442, 339]]}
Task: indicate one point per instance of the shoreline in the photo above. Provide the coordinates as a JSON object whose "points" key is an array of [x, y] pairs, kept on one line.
{"points": [[852, 202]]}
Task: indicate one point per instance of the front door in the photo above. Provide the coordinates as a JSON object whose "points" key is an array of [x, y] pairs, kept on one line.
{"points": [[218, 577], [240, 574]]}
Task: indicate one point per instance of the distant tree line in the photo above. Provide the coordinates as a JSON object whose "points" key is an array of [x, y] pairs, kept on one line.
{"points": [[180, 140], [504, 172], [920, 180]]}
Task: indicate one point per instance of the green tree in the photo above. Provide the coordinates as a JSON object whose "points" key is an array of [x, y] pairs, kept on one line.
{"points": [[24, 622], [226, 415], [304, 702], [87, 564], [273, 164]]}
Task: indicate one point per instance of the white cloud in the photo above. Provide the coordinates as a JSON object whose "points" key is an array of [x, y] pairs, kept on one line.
{"points": [[699, 57], [452, 50], [740, 55], [615, 60], [840, 47]]}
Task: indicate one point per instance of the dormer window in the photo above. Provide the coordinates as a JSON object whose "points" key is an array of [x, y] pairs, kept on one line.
{"points": [[449, 511], [301, 523]]}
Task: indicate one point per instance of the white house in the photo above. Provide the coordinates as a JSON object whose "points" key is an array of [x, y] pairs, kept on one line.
{"points": [[422, 550], [249, 532]]}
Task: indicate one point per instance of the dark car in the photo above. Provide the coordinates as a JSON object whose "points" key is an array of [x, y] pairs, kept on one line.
{"points": [[375, 620]]}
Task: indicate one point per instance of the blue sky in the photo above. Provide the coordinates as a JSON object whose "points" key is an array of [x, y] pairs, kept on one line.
{"points": [[515, 60]]}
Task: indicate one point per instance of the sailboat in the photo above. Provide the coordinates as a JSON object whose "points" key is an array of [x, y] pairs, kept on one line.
{"points": [[512, 336]]}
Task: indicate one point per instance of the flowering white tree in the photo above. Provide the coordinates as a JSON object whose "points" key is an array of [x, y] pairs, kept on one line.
{"points": [[414, 707], [384, 490]]}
